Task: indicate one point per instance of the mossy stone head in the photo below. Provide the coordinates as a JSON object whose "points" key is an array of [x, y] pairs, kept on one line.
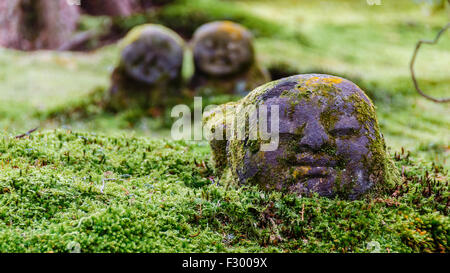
{"points": [[152, 54], [329, 139], [222, 48]]}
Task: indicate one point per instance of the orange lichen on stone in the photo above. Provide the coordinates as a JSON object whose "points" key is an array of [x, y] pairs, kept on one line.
{"points": [[235, 31], [332, 80], [311, 80], [320, 80]]}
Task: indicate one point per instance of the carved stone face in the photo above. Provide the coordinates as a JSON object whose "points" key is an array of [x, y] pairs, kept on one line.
{"points": [[222, 49], [329, 140], [155, 56]]}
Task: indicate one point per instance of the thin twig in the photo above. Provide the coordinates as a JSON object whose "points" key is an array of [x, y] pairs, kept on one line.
{"points": [[195, 235], [303, 212], [27, 133], [78, 40], [419, 44]]}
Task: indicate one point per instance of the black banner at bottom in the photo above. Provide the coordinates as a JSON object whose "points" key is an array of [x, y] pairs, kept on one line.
{"points": [[228, 262]]}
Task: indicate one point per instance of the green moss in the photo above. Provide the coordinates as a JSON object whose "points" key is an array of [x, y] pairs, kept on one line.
{"points": [[299, 131], [343, 190], [329, 118], [100, 193], [87, 106], [37, 175], [253, 145]]}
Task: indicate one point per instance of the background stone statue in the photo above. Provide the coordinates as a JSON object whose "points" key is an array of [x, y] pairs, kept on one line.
{"points": [[149, 71], [224, 59], [329, 140]]}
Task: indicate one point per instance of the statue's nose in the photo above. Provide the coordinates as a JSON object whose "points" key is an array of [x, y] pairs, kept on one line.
{"points": [[314, 136], [220, 52]]}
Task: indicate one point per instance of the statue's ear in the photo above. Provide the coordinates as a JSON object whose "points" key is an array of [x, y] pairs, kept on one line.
{"points": [[215, 131], [219, 155]]}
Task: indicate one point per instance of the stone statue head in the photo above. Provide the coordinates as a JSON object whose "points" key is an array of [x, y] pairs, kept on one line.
{"points": [[222, 48], [329, 139], [152, 54]]}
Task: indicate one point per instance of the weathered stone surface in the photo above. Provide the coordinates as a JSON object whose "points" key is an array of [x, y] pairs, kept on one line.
{"points": [[329, 139], [36, 24], [224, 59], [150, 68]]}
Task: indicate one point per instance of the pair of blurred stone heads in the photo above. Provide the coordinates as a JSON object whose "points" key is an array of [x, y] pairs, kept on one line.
{"points": [[152, 59], [329, 141]]}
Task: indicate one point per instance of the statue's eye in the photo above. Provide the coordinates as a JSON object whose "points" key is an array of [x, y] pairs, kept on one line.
{"points": [[209, 43], [346, 131], [232, 46]]}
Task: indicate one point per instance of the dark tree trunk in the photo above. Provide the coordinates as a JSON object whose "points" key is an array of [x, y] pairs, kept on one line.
{"points": [[36, 24], [119, 7], [111, 7]]}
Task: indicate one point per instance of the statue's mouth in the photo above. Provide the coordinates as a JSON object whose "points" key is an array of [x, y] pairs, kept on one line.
{"points": [[315, 160], [313, 165], [311, 172], [220, 62]]}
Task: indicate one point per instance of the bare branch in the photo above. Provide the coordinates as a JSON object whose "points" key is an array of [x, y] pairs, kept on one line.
{"points": [[413, 75], [77, 40], [27, 133]]}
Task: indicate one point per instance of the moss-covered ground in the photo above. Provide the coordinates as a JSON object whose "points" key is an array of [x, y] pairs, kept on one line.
{"points": [[103, 182]]}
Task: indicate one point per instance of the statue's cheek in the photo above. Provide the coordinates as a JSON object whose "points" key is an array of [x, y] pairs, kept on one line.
{"points": [[352, 149]]}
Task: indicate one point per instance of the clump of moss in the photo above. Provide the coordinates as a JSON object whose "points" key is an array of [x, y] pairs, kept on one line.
{"points": [[84, 107], [63, 191]]}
